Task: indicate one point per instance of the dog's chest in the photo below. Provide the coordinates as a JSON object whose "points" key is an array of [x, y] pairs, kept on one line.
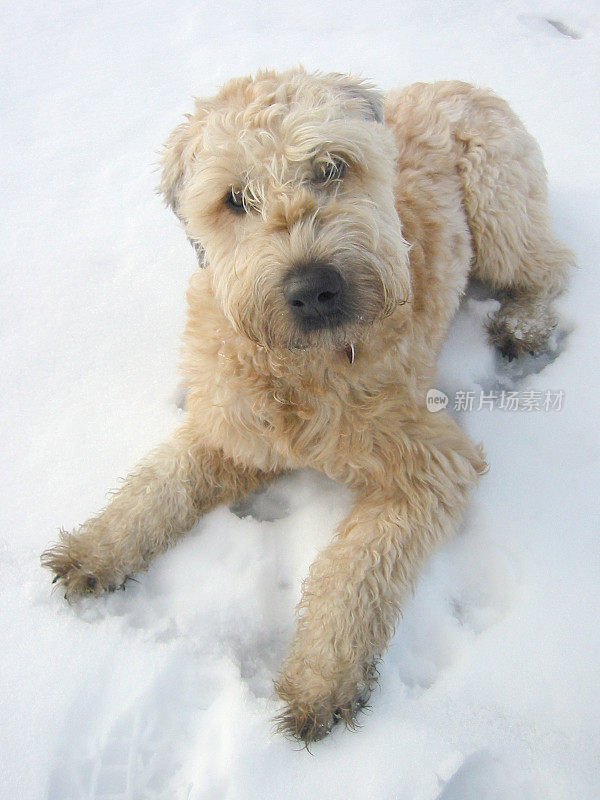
{"points": [[277, 423]]}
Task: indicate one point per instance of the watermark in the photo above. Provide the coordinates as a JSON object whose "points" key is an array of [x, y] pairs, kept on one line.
{"points": [[525, 400], [436, 400]]}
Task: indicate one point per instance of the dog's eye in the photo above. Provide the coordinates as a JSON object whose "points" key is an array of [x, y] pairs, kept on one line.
{"points": [[235, 200], [331, 170]]}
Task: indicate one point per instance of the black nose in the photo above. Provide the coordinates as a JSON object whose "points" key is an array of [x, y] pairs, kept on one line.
{"points": [[314, 292]]}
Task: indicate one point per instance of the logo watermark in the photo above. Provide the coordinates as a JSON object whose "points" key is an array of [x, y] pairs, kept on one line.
{"points": [[526, 400], [436, 400]]}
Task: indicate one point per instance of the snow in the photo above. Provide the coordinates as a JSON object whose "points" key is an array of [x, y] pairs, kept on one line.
{"points": [[489, 690]]}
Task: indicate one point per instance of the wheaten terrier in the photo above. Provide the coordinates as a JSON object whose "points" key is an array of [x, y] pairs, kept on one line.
{"points": [[335, 229]]}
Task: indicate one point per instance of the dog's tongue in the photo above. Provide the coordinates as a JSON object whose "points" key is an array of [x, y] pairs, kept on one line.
{"points": [[349, 350]]}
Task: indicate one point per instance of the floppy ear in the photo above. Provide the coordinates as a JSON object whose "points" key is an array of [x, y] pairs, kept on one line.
{"points": [[175, 162], [178, 153], [175, 157], [370, 98], [360, 97]]}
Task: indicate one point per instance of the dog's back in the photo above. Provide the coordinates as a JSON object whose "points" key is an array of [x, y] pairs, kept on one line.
{"points": [[451, 132]]}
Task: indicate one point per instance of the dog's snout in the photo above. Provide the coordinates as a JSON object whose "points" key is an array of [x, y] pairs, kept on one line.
{"points": [[314, 292]]}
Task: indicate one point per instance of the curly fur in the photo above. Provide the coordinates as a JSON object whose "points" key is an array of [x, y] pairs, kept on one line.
{"points": [[440, 181]]}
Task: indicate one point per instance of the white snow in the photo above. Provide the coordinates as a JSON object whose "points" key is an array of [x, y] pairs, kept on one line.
{"points": [[489, 690]]}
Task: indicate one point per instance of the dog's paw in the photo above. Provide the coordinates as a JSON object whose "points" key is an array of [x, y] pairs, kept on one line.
{"points": [[516, 333], [78, 570], [311, 718], [312, 723], [510, 348]]}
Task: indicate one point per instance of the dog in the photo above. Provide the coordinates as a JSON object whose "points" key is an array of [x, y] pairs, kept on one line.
{"points": [[335, 229]]}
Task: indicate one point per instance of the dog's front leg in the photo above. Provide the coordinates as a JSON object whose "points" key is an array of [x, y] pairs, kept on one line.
{"points": [[160, 500], [353, 593]]}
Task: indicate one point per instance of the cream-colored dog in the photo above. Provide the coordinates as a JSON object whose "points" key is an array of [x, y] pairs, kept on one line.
{"points": [[335, 230]]}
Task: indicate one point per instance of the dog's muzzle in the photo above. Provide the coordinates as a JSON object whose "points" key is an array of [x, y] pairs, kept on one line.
{"points": [[315, 294]]}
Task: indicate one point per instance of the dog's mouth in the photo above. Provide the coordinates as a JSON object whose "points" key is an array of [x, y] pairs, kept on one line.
{"points": [[339, 342], [342, 338], [346, 351]]}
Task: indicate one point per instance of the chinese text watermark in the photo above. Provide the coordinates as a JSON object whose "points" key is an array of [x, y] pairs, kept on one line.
{"points": [[504, 400]]}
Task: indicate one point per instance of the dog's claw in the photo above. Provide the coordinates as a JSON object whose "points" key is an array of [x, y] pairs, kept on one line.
{"points": [[508, 353]]}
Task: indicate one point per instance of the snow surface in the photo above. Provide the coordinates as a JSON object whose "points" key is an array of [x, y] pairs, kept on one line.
{"points": [[489, 690]]}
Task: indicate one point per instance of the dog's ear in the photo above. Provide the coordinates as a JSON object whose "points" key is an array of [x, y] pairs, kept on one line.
{"points": [[172, 165], [177, 155], [360, 97], [175, 162], [370, 98]]}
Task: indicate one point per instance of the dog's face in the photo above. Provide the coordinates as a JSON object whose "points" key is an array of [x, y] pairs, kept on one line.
{"points": [[284, 185]]}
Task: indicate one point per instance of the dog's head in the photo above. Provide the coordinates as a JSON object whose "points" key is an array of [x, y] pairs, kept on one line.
{"points": [[284, 185]]}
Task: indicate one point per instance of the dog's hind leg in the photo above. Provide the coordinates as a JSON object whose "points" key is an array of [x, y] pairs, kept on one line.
{"points": [[411, 501], [526, 318], [158, 502], [505, 196]]}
